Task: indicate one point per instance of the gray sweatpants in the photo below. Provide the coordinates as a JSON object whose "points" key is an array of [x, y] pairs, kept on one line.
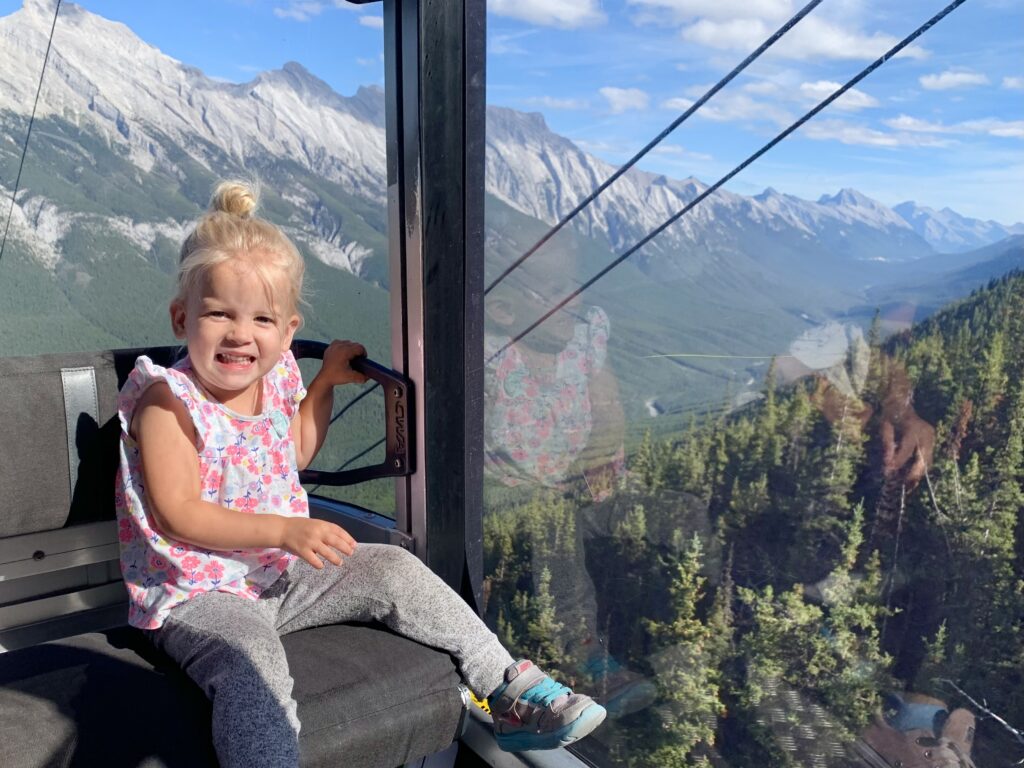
{"points": [[230, 646]]}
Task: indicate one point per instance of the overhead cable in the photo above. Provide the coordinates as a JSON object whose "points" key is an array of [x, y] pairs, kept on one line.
{"points": [[656, 140], [28, 133], [692, 204]]}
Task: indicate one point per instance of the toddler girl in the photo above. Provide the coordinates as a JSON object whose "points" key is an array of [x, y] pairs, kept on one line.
{"points": [[218, 551]]}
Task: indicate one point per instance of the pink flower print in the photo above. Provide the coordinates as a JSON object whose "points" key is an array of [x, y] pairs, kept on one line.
{"points": [[189, 564], [158, 563], [236, 453], [266, 439], [196, 592], [282, 564], [214, 571], [172, 571], [298, 506], [267, 479], [212, 481], [247, 503], [124, 531], [275, 501]]}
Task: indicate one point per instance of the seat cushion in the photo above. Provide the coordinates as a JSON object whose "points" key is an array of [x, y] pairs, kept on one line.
{"points": [[366, 697]]}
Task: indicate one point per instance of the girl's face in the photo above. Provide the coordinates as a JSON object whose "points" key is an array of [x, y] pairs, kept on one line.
{"points": [[234, 331]]}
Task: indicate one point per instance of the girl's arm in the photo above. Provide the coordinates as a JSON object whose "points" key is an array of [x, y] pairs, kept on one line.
{"points": [[309, 427], [170, 469]]}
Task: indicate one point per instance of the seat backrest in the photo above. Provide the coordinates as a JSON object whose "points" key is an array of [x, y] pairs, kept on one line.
{"points": [[58, 462]]}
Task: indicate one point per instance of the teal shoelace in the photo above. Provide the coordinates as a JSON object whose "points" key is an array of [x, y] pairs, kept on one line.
{"points": [[544, 692]]}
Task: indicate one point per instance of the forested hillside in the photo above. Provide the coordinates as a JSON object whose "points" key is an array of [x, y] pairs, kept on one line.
{"points": [[857, 533]]}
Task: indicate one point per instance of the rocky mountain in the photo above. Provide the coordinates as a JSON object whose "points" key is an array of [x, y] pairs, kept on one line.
{"points": [[545, 175], [128, 141], [949, 232], [104, 78]]}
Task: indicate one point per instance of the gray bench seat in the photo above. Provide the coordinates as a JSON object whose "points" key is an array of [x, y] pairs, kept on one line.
{"points": [[77, 689], [110, 699]]}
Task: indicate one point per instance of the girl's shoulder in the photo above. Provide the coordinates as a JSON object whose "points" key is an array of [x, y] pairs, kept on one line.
{"points": [[140, 381], [589, 345], [146, 373], [283, 385]]}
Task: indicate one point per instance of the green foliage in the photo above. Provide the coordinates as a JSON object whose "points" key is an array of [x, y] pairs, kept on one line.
{"points": [[828, 648]]}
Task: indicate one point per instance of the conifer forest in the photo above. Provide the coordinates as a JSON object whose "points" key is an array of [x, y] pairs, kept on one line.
{"points": [[779, 570]]}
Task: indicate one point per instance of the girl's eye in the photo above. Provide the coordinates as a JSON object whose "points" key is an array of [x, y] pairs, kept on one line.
{"points": [[263, 319], [217, 313]]}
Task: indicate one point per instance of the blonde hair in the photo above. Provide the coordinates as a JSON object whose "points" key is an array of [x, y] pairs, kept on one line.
{"points": [[230, 231]]}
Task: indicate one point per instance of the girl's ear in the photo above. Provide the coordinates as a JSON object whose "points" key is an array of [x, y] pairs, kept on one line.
{"points": [[500, 311], [289, 332], [178, 318]]}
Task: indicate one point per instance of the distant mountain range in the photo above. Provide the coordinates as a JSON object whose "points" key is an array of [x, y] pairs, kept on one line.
{"points": [[949, 232], [128, 142]]}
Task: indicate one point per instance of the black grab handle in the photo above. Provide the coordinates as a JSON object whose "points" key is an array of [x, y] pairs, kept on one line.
{"points": [[398, 416]]}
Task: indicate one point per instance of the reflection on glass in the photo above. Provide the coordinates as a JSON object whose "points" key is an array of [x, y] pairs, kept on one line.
{"points": [[763, 522]]}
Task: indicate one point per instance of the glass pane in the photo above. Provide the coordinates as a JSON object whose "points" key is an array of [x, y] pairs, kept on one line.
{"points": [[758, 488], [141, 108]]}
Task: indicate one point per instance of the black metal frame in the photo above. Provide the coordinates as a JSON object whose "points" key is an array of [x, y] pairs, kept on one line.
{"points": [[434, 76], [399, 458]]}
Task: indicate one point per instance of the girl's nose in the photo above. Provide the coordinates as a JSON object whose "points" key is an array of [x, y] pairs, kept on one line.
{"points": [[240, 332]]}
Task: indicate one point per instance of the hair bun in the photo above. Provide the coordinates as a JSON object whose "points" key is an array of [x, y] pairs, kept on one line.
{"points": [[235, 197]]}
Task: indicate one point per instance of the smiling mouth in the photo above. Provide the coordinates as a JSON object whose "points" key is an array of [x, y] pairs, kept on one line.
{"points": [[223, 357]]}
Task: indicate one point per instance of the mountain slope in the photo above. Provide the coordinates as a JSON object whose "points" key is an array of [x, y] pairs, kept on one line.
{"points": [[949, 232]]}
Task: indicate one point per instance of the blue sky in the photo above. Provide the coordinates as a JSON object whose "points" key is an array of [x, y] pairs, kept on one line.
{"points": [[942, 125]]}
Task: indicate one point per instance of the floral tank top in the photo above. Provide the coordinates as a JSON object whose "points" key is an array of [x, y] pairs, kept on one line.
{"points": [[538, 422], [246, 463]]}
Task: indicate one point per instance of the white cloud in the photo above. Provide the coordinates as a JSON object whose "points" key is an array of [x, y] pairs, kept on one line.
{"points": [[851, 100], [952, 79], [1014, 83], [678, 11], [727, 35], [675, 151], [624, 99], [374, 22], [300, 11], [908, 123], [304, 10], [1003, 129], [848, 133], [732, 107], [567, 14], [507, 43], [551, 102], [813, 38]]}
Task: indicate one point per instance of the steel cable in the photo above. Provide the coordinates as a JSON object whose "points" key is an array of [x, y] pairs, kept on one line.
{"points": [[28, 133], [657, 140], [714, 187]]}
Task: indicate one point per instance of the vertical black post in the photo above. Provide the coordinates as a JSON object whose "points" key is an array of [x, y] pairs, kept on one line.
{"points": [[434, 52]]}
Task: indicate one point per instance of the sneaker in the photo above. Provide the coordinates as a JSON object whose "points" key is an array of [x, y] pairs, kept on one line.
{"points": [[622, 691], [532, 711]]}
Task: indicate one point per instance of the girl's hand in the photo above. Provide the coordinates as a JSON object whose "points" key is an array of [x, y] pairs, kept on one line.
{"points": [[315, 539], [337, 365]]}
